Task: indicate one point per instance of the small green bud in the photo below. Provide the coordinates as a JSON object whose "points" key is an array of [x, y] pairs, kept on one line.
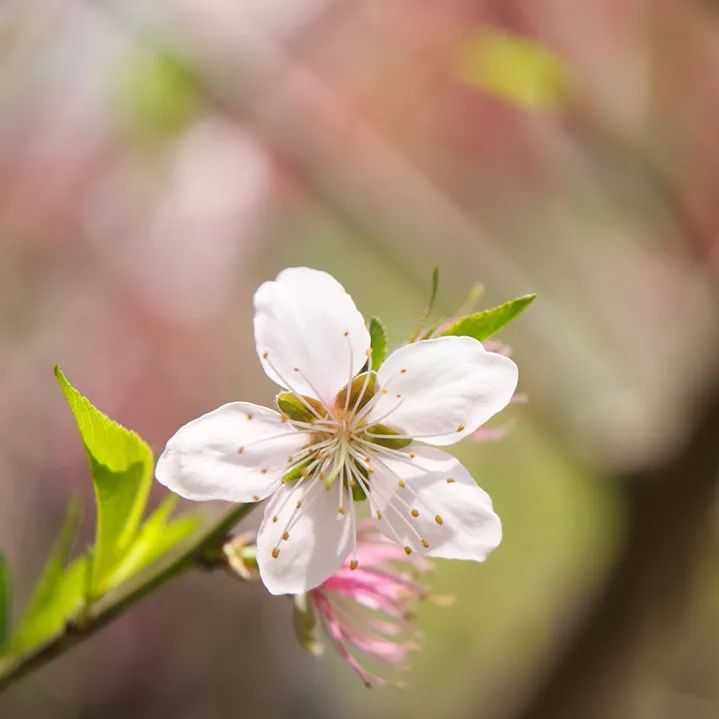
{"points": [[358, 391], [296, 409], [296, 472], [386, 439], [358, 494]]}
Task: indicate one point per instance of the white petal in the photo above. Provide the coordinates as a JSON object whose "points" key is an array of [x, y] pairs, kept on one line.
{"points": [[237, 452], [319, 538], [308, 332], [443, 389], [455, 517]]}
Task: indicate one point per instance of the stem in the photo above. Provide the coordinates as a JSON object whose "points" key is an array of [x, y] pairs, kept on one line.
{"points": [[118, 600]]}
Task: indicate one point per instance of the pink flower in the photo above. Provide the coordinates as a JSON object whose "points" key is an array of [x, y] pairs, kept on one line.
{"points": [[364, 608]]}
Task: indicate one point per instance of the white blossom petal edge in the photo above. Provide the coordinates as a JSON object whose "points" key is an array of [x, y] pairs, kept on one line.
{"points": [[345, 434]]}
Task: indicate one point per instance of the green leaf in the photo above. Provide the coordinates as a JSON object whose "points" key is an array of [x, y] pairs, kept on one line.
{"points": [[158, 93], [378, 340], [4, 602], [514, 68], [158, 536], [59, 592], [433, 293], [484, 324], [121, 466]]}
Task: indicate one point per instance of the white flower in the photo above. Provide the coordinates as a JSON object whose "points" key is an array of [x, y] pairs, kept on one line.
{"points": [[345, 434]]}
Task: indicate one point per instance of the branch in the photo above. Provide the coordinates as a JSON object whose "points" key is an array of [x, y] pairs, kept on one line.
{"points": [[670, 507], [118, 601]]}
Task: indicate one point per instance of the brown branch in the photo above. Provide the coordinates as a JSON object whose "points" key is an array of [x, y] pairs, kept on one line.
{"points": [[670, 507]]}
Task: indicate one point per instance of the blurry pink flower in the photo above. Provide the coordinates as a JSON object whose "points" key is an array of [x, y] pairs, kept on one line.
{"points": [[344, 435], [367, 611]]}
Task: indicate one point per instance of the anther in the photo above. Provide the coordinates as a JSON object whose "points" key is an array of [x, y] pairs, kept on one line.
{"points": [[341, 510], [402, 484], [285, 536], [274, 519], [425, 544], [438, 519], [263, 470], [347, 334], [265, 355], [398, 396], [402, 371], [408, 551], [451, 481], [412, 455], [240, 450], [249, 416], [379, 515], [275, 553], [255, 498], [460, 428], [414, 513], [354, 564], [299, 504]]}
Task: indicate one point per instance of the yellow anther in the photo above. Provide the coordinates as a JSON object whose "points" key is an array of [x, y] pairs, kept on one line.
{"points": [[451, 481], [425, 544], [414, 513], [285, 536], [354, 564], [408, 551], [460, 428], [402, 484], [274, 519], [438, 519], [275, 553]]}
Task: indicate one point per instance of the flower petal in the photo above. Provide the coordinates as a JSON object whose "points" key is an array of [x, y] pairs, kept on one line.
{"points": [[238, 452], [443, 389], [444, 508], [319, 538], [308, 333]]}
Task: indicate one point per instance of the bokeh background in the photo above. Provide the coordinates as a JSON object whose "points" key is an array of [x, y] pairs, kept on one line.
{"points": [[159, 160]]}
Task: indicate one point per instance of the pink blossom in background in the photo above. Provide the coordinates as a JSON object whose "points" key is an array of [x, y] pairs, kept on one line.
{"points": [[366, 611]]}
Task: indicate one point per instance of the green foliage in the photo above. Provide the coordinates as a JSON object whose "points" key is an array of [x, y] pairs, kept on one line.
{"points": [[378, 339], [484, 324], [515, 68], [433, 293], [5, 606], [59, 593], [121, 465], [159, 534], [158, 92]]}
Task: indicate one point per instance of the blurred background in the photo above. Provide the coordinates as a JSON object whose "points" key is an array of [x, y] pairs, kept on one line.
{"points": [[159, 160]]}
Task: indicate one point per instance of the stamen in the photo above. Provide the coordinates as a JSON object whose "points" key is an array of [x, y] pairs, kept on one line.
{"points": [[348, 386], [328, 407], [368, 374], [275, 553], [308, 406], [438, 519]]}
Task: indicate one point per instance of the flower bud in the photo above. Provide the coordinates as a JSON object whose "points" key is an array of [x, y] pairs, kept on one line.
{"points": [[362, 389], [385, 436], [298, 409]]}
